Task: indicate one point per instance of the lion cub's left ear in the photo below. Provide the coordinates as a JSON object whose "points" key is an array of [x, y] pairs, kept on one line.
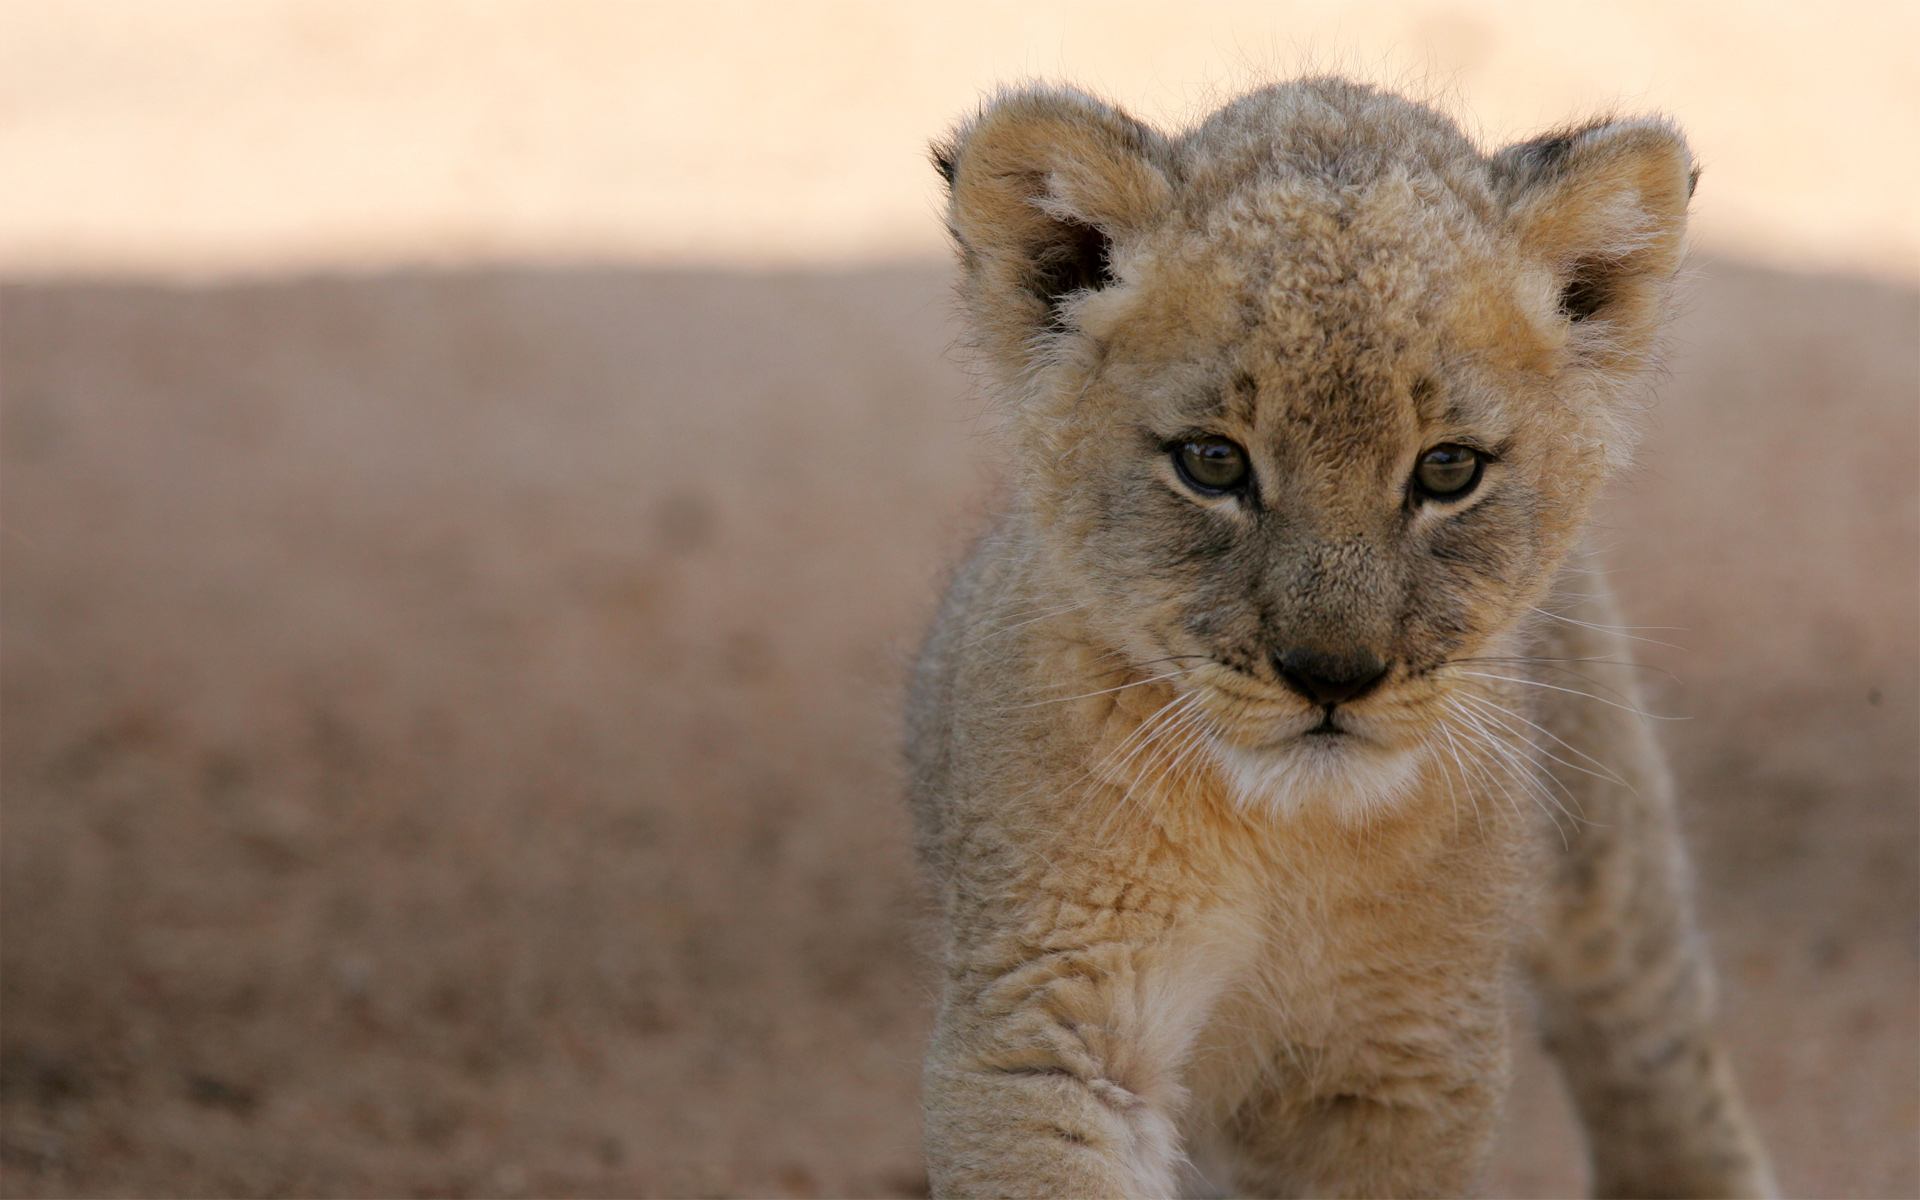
{"points": [[1605, 208]]}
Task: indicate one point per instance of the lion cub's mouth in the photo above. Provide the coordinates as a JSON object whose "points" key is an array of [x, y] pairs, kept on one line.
{"points": [[1355, 758], [1327, 728], [1250, 712]]}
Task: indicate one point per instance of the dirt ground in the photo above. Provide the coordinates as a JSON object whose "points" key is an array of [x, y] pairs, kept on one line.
{"points": [[448, 726]]}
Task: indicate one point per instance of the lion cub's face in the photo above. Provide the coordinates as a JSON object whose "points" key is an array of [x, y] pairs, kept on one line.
{"points": [[1312, 399]]}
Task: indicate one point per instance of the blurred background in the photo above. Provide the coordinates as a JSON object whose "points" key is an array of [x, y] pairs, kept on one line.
{"points": [[472, 476]]}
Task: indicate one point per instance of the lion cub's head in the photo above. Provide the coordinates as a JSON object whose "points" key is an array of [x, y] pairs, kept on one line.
{"points": [[1312, 399]]}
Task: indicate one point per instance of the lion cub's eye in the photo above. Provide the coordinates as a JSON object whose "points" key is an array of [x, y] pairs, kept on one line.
{"points": [[1211, 464], [1448, 472]]}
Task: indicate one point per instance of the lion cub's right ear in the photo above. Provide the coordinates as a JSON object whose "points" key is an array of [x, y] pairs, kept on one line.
{"points": [[1041, 185]]}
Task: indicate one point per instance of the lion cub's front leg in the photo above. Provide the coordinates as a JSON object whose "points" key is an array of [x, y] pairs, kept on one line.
{"points": [[1625, 989], [1054, 1069], [1431, 1140]]}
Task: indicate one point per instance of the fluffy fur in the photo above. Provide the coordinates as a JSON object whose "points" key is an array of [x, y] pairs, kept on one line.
{"points": [[1177, 924]]}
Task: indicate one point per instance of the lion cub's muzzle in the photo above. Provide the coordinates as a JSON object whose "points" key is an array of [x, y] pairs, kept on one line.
{"points": [[1328, 679]]}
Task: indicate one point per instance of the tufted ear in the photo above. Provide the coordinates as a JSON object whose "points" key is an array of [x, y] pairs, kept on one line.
{"points": [[1041, 185], [1605, 208]]}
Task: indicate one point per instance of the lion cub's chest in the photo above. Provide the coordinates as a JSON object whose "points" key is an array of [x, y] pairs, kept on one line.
{"points": [[1348, 964]]}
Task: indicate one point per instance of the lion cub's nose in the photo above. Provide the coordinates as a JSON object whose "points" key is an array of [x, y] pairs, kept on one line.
{"points": [[1330, 678]]}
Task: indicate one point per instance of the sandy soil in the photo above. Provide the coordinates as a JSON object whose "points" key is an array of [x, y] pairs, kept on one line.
{"points": [[449, 726]]}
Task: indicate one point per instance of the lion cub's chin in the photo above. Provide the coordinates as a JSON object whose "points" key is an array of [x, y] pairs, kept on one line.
{"points": [[1346, 776]]}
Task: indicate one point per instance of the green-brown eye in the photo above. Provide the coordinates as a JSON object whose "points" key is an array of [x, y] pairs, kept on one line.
{"points": [[1448, 472], [1211, 464]]}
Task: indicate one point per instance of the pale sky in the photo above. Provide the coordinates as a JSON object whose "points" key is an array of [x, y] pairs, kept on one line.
{"points": [[263, 136]]}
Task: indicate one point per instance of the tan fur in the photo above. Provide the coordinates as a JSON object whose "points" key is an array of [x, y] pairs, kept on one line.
{"points": [[1175, 924]]}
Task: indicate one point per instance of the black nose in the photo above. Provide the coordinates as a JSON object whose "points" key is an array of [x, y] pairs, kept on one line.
{"points": [[1330, 678]]}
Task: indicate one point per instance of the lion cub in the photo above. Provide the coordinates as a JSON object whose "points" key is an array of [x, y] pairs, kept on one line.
{"points": [[1252, 750]]}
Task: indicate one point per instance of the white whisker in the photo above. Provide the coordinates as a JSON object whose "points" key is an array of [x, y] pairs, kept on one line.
{"points": [[1453, 748], [1165, 726], [1500, 712], [1573, 692], [1102, 692], [1619, 630], [1523, 770], [1021, 624]]}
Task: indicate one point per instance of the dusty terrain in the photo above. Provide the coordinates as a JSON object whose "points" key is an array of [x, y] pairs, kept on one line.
{"points": [[449, 726]]}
